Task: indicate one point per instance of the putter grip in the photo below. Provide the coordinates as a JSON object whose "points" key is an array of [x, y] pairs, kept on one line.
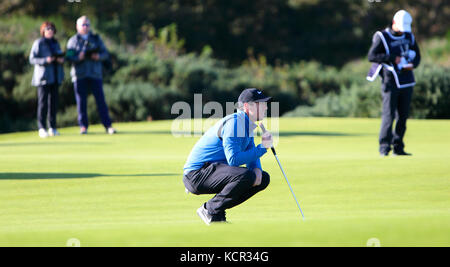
{"points": [[264, 130], [262, 127], [273, 150]]}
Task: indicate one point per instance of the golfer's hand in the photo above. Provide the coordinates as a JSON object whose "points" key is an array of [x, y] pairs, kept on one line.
{"points": [[258, 179], [60, 60], [81, 56], [267, 140], [50, 59]]}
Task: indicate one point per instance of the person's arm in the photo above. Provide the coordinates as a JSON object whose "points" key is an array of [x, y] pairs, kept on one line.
{"points": [[234, 154], [72, 55], [232, 146], [34, 55], [255, 166], [377, 52], [416, 60], [60, 59], [256, 163], [103, 53]]}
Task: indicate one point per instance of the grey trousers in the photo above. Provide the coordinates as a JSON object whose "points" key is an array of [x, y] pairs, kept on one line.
{"points": [[396, 104], [232, 185]]}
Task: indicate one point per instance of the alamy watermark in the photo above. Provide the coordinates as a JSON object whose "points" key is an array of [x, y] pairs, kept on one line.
{"points": [[192, 122]]}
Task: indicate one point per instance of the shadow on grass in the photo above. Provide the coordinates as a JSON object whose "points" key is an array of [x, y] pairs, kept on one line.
{"points": [[42, 175], [162, 132], [176, 134], [44, 143]]}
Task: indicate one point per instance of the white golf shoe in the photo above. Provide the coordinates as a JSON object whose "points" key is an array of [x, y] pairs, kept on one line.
{"points": [[111, 130], [43, 133], [53, 132]]}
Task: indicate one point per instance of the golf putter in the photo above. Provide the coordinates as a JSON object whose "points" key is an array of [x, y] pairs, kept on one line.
{"points": [[284, 174]]}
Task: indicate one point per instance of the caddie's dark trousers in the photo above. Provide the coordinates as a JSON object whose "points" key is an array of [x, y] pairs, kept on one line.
{"points": [[47, 105], [232, 185], [396, 103], [81, 88]]}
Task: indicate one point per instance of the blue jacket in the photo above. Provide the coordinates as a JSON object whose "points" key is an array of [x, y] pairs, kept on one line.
{"points": [[45, 73], [86, 68], [229, 141]]}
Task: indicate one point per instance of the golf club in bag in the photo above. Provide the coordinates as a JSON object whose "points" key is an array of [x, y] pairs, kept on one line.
{"points": [[279, 164]]}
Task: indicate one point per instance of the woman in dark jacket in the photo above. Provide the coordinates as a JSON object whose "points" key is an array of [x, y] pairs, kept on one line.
{"points": [[47, 57]]}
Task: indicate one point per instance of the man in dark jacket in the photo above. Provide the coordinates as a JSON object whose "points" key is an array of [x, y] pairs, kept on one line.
{"points": [[394, 53], [86, 52]]}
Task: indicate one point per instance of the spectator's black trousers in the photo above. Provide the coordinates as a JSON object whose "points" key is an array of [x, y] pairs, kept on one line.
{"points": [[396, 104], [232, 185], [47, 105]]}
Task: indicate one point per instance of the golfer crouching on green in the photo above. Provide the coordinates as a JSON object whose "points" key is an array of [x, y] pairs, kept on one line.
{"points": [[213, 166]]}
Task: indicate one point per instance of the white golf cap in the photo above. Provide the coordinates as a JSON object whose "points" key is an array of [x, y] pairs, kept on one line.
{"points": [[403, 21]]}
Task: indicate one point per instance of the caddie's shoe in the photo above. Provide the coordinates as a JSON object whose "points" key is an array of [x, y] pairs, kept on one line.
{"points": [[384, 154], [111, 130], [401, 153]]}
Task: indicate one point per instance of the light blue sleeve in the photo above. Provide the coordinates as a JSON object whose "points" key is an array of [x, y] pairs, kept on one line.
{"points": [[34, 55], [235, 154], [257, 163]]}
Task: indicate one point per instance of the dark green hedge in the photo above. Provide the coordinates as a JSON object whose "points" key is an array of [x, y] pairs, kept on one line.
{"points": [[144, 86], [430, 98]]}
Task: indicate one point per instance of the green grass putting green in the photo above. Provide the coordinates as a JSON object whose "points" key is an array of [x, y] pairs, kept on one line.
{"points": [[126, 189]]}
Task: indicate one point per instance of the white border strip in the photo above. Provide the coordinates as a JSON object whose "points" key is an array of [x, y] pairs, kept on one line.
{"points": [[386, 47], [375, 75], [391, 69]]}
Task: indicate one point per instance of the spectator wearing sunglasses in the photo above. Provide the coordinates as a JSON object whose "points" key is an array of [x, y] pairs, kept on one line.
{"points": [[86, 51], [47, 58]]}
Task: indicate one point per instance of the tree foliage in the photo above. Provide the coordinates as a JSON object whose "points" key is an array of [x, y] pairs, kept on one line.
{"points": [[331, 32]]}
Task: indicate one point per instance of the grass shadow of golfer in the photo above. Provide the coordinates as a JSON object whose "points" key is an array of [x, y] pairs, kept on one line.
{"points": [[46, 176]]}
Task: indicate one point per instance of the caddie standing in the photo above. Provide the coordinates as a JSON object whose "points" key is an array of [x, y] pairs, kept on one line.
{"points": [[394, 53]]}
